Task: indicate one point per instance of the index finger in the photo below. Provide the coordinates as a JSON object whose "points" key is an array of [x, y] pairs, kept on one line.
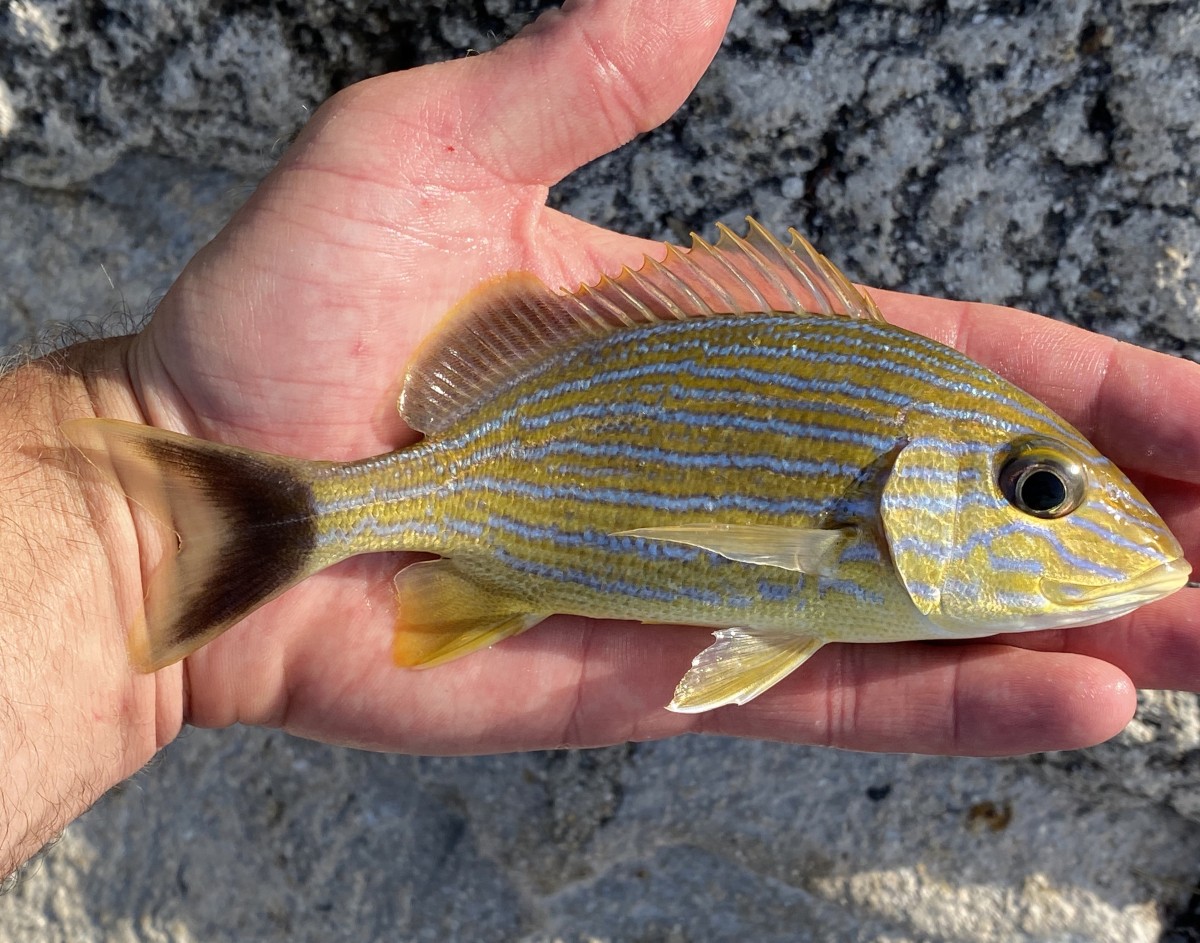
{"points": [[1140, 408]]}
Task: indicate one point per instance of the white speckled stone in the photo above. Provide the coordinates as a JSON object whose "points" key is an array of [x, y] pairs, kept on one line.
{"points": [[1042, 155]]}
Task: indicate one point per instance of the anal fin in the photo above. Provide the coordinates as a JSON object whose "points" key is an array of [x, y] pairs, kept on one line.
{"points": [[444, 615], [739, 666]]}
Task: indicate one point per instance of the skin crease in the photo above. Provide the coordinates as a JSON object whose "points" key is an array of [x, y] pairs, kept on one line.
{"points": [[290, 332]]}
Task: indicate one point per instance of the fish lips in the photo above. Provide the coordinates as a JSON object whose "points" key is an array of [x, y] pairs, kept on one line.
{"points": [[1118, 598]]}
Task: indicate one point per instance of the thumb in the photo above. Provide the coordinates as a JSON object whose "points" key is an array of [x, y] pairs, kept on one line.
{"points": [[576, 84], [585, 80]]}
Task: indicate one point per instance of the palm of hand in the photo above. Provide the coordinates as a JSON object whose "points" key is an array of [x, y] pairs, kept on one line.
{"points": [[291, 331]]}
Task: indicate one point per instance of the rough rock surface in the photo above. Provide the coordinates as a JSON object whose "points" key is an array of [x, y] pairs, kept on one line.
{"points": [[1042, 155]]}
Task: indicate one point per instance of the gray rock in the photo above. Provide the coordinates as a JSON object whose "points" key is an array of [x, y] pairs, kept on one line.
{"points": [[1038, 155], [1156, 756], [99, 256], [260, 836]]}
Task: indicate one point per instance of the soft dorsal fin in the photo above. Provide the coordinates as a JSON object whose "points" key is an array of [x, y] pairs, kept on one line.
{"points": [[514, 321], [498, 328]]}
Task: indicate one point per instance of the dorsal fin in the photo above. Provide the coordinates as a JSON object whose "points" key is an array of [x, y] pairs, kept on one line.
{"points": [[736, 275], [514, 321], [499, 327]]}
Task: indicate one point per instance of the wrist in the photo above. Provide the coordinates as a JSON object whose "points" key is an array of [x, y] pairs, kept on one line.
{"points": [[75, 718]]}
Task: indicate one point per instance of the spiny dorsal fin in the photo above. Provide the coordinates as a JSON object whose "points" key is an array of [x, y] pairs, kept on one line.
{"points": [[736, 275], [515, 321]]}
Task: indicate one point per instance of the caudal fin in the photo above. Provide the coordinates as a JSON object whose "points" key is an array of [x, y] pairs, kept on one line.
{"points": [[243, 519]]}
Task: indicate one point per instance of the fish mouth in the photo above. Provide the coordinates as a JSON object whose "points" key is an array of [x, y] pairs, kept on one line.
{"points": [[1158, 581]]}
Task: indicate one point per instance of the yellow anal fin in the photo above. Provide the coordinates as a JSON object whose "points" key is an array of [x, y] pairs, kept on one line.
{"points": [[739, 666], [789, 548], [444, 615]]}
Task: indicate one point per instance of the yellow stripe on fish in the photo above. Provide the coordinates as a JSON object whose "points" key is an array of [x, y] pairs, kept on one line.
{"points": [[731, 438]]}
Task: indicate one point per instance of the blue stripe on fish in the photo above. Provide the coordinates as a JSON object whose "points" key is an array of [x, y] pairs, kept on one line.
{"points": [[607, 584], [677, 459], [634, 497]]}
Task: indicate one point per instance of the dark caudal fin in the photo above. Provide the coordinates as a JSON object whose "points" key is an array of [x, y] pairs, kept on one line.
{"points": [[244, 523]]}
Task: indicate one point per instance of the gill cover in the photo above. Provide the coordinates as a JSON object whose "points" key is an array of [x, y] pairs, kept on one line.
{"points": [[919, 508]]}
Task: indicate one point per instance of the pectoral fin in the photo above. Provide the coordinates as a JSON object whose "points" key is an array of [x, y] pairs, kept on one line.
{"points": [[789, 548], [444, 614], [739, 666]]}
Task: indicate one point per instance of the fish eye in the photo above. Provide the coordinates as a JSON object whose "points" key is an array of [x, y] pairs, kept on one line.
{"points": [[1041, 477]]}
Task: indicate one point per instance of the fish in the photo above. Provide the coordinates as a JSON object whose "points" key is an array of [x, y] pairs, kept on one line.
{"points": [[732, 438]]}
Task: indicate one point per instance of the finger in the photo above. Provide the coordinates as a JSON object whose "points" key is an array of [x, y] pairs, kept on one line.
{"points": [[976, 699], [1140, 408], [588, 79], [1179, 505], [571, 252], [578, 84], [576, 682], [1157, 646]]}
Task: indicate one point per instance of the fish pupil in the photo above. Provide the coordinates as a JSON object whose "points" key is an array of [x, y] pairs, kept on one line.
{"points": [[1042, 491], [1041, 477]]}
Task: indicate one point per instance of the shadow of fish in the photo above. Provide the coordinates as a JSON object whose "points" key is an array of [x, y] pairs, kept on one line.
{"points": [[732, 437]]}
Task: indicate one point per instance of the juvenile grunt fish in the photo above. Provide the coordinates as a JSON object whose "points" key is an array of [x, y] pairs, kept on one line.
{"points": [[731, 438]]}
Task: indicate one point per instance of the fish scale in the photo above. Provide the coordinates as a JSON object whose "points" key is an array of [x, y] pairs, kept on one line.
{"points": [[732, 438]]}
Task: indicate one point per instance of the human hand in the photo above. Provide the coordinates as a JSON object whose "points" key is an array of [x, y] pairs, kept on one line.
{"points": [[290, 333]]}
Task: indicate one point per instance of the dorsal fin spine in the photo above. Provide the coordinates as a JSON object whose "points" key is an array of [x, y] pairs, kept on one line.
{"points": [[710, 251], [679, 257], [767, 244], [627, 275], [689, 296], [735, 241], [802, 258], [854, 302], [848, 302], [804, 250], [600, 294], [720, 252], [591, 319], [763, 264], [656, 296]]}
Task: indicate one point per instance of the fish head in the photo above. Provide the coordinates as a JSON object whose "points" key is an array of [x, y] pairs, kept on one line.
{"points": [[1000, 532]]}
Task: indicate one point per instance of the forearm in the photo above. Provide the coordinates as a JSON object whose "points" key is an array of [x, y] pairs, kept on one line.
{"points": [[74, 718]]}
